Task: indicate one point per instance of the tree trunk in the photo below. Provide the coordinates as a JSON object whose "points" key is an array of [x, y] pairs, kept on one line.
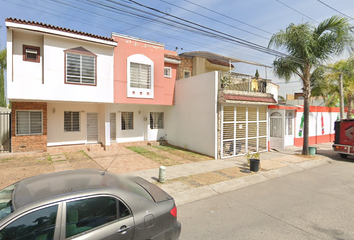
{"points": [[307, 94], [349, 112]]}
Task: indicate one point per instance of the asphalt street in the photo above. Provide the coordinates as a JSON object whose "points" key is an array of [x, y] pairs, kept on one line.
{"points": [[313, 204]]}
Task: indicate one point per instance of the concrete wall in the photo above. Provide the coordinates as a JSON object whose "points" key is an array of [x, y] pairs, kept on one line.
{"points": [[45, 80], [315, 125], [193, 120]]}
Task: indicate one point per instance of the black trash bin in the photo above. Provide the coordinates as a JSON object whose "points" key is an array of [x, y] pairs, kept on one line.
{"points": [[254, 165]]}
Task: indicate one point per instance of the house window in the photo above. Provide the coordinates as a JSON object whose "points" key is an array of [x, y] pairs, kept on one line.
{"points": [[80, 66], [140, 76], [31, 53], [29, 122], [186, 74], [167, 72], [156, 120], [127, 120], [71, 121]]}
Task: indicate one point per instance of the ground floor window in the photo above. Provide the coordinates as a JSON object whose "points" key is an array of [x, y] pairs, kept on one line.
{"points": [[127, 120], [71, 121], [29, 122], [156, 120]]}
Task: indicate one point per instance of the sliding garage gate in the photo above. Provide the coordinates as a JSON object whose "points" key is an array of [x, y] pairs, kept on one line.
{"points": [[244, 130]]}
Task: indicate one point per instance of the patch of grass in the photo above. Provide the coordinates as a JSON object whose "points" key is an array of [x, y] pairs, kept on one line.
{"points": [[83, 153], [6, 159], [49, 158], [162, 160], [192, 156]]}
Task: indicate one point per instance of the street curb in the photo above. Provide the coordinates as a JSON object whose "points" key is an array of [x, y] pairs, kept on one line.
{"points": [[195, 194]]}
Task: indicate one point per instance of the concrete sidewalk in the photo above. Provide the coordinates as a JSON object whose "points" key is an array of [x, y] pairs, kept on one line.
{"points": [[273, 164]]}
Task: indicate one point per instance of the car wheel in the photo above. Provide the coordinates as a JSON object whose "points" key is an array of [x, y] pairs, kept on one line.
{"points": [[343, 155]]}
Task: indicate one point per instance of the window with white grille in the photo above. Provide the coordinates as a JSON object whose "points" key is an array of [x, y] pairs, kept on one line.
{"points": [[156, 120], [127, 120], [167, 72], [29, 122], [80, 68], [140, 75], [71, 121]]}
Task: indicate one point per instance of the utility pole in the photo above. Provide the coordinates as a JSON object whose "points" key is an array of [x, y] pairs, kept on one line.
{"points": [[341, 96]]}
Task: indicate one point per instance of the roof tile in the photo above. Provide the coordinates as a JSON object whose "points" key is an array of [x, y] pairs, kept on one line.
{"points": [[45, 25]]}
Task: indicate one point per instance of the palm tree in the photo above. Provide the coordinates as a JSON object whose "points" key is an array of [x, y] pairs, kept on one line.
{"points": [[2, 84], [327, 85], [307, 47]]}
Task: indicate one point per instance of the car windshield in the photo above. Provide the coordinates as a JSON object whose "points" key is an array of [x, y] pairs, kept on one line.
{"points": [[6, 200]]}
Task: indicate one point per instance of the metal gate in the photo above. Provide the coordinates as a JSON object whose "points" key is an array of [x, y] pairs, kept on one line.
{"points": [[5, 132], [244, 130]]}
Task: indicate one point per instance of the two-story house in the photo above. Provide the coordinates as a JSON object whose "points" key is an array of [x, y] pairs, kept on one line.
{"points": [[59, 82], [144, 86], [218, 112]]}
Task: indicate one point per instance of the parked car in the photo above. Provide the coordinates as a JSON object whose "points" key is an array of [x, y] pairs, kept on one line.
{"points": [[86, 204]]}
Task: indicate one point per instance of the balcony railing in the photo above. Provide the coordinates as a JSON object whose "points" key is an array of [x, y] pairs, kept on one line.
{"points": [[243, 83]]}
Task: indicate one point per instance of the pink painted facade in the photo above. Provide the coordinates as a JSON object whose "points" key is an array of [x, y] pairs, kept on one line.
{"points": [[162, 92]]}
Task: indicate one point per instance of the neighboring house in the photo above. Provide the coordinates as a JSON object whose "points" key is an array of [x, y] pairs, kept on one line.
{"points": [[221, 114], [59, 82], [144, 87]]}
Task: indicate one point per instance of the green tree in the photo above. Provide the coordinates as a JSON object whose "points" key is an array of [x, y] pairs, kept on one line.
{"points": [[308, 46], [2, 78], [327, 86], [257, 74]]}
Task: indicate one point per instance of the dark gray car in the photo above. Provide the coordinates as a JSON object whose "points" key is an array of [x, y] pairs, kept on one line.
{"points": [[86, 204]]}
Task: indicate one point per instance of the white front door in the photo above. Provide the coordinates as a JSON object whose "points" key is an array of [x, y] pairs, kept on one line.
{"points": [[92, 127], [289, 128], [276, 133]]}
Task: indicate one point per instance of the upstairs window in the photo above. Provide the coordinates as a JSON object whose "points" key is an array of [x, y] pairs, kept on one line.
{"points": [[71, 121], [140, 76], [80, 67], [31, 53], [29, 122], [156, 120], [167, 72]]}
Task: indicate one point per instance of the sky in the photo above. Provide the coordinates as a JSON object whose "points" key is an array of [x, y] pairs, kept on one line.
{"points": [[253, 21]]}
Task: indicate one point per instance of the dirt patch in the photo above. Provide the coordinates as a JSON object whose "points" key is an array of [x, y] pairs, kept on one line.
{"points": [[80, 160], [208, 178], [160, 159], [15, 169], [308, 157], [191, 156]]}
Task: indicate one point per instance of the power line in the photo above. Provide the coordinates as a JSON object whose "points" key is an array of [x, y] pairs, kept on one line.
{"points": [[234, 19], [220, 35], [296, 10], [216, 20], [335, 10]]}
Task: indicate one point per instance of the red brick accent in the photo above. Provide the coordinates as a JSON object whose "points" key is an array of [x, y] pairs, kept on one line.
{"points": [[185, 65], [28, 143]]}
